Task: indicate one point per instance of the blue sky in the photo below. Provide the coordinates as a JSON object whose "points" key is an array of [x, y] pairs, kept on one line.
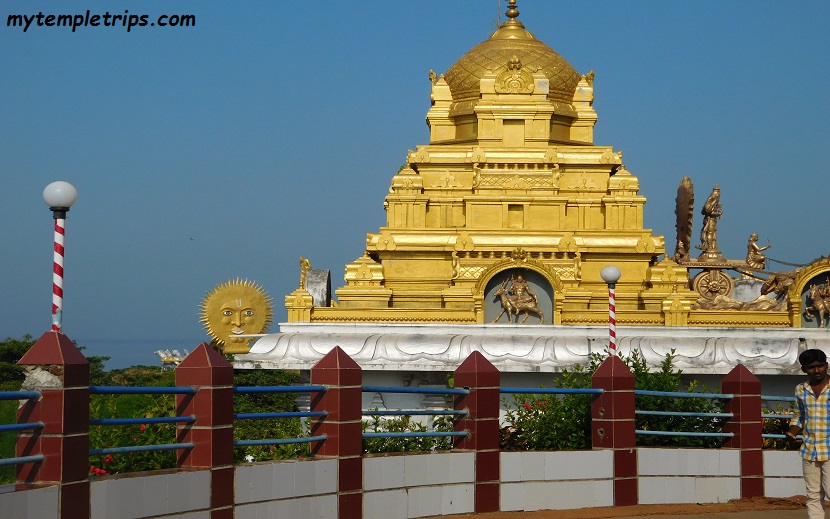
{"points": [[271, 131]]}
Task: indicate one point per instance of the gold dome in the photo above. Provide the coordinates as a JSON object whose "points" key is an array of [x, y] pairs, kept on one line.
{"points": [[494, 54]]}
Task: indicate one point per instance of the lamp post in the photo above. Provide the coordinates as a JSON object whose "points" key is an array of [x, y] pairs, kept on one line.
{"points": [[59, 196], [611, 275]]}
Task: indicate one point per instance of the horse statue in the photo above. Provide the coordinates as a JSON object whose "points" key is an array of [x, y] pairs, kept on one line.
{"points": [[512, 305], [820, 296], [780, 283]]}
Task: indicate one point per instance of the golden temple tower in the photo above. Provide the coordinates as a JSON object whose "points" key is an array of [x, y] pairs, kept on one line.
{"points": [[512, 198]]}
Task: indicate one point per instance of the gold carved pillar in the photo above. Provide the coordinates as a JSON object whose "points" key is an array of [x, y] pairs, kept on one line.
{"points": [[299, 304]]}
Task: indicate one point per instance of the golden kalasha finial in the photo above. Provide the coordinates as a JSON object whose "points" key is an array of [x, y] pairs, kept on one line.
{"points": [[512, 12]]}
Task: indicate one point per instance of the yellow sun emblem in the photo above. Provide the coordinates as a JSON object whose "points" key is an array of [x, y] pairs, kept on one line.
{"points": [[235, 309]]}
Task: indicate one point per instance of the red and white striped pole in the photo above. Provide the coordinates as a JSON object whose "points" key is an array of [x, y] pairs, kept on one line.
{"points": [[611, 275], [57, 275], [59, 196]]}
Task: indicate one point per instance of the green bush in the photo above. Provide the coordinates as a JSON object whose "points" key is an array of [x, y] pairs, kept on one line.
{"points": [[134, 406], [11, 378], [269, 428], [8, 415], [550, 422], [563, 422], [107, 436], [11, 350], [668, 379], [405, 424]]}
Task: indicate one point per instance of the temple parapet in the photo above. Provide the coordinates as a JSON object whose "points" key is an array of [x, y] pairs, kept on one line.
{"points": [[514, 348]]}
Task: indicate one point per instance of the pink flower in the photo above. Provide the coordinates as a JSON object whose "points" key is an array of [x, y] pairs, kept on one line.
{"points": [[143, 427]]}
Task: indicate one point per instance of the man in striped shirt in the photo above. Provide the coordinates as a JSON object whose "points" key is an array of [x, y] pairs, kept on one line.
{"points": [[812, 420]]}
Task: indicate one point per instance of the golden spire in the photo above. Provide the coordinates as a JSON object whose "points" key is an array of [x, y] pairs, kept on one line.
{"points": [[512, 28], [512, 13]]}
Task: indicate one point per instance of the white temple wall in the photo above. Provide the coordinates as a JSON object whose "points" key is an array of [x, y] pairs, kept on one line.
{"points": [[784, 477]]}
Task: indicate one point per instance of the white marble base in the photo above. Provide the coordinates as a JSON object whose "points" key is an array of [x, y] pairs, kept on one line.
{"points": [[516, 348]]}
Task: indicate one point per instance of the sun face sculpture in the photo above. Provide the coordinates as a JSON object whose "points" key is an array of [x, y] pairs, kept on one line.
{"points": [[235, 308]]}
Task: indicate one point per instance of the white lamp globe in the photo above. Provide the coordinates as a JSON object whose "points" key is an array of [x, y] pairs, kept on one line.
{"points": [[60, 194], [610, 274]]}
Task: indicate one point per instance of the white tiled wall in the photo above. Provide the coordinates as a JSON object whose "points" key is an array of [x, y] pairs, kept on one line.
{"points": [[285, 479], [150, 496], [40, 502], [556, 480], [556, 495], [383, 472], [547, 466], [313, 507], [689, 475], [688, 489], [406, 503], [411, 486], [403, 487], [783, 474], [689, 462], [390, 472], [386, 504]]}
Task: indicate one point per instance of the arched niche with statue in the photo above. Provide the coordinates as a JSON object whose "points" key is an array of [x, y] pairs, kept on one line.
{"points": [[810, 294], [815, 301], [519, 295]]}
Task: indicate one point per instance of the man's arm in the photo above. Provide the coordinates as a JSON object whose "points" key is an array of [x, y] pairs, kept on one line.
{"points": [[797, 422], [793, 432]]}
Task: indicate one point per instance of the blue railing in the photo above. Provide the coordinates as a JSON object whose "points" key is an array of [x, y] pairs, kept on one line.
{"points": [[284, 414], [142, 390], [37, 458], [280, 389], [416, 412], [643, 392], [681, 394], [416, 390], [553, 390], [456, 413], [32, 426], [148, 390], [773, 416], [683, 414]]}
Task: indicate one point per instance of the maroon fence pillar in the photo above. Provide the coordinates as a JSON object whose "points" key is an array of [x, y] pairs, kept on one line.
{"points": [[746, 425], [342, 426], [56, 368], [212, 433], [613, 426], [482, 423]]}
